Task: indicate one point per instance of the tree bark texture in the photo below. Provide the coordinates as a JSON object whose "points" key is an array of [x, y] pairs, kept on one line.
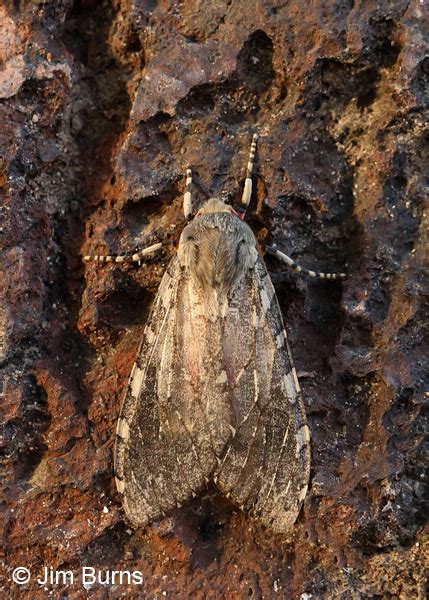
{"points": [[103, 106]]}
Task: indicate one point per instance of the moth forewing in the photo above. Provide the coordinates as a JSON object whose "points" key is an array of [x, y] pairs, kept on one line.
{"points": [[213, 395]]}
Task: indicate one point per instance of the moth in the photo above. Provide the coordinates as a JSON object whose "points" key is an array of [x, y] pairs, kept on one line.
{"points": [[213, 395]]}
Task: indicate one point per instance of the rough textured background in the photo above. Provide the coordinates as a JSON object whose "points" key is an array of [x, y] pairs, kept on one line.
{"points": [[103, 105]]}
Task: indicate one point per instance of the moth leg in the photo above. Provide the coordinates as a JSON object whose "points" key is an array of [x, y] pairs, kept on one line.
{"points": [[296, 267], [247, 192], [187, 198], [123, 258]]}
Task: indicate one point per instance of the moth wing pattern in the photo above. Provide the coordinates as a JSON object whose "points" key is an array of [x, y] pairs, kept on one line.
{"points": [[169, 436], [213, 394], [266, 467]]}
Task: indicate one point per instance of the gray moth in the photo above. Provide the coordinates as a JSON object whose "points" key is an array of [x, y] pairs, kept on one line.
{"points": [[213, 395]]}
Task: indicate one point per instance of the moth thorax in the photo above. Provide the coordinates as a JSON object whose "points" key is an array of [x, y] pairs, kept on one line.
{"points": [[217, 249], [217, 264]]}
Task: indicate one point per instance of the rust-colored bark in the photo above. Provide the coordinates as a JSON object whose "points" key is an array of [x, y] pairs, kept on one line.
{"points": [[103, 105]]}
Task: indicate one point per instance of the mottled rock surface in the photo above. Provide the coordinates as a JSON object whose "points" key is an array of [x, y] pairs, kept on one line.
{"points": [[103, 105]]}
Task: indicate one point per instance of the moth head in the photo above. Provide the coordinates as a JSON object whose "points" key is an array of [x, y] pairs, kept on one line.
{"points": [[214, 205]]}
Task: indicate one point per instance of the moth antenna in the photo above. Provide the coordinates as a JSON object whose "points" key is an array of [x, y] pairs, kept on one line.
{"points": [[125, 258], [198, 328], [296, 267], [187, 198], [247, 192]]}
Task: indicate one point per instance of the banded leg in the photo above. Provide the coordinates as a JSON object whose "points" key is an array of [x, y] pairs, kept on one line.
{"points": [[187, 198], [247, 192], [122, 258], [296, 267]]}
